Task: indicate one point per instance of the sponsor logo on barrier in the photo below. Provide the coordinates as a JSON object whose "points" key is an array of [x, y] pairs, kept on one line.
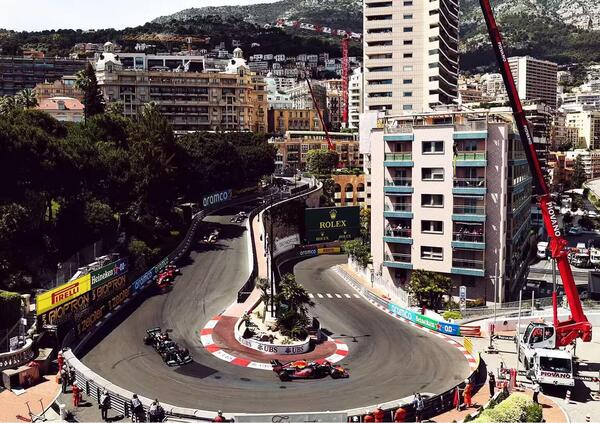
{"points": [[143, 280], [217, 198], [109, 288], [421, 320], [311, 252], [107, 272], [274, 349], [286, 244], [61, 313], [62, 294], [329, 250]]}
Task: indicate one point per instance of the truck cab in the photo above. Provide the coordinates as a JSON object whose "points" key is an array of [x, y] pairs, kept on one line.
{"points": [[542, 250], [551, 367]]}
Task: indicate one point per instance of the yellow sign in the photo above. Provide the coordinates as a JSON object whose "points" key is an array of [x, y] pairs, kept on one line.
{"points": [[329, 250], [468, 344], [62, 294]]}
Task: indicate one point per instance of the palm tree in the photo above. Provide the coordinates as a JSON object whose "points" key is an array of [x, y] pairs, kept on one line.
{"points": [[27, 99], [295, 295], [7, 105], [263, 286]]}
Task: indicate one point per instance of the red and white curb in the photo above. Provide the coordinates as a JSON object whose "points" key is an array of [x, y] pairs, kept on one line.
{"points": [[209, 345], [360, 289]]}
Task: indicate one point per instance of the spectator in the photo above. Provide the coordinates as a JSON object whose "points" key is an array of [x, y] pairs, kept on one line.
{"points": [[76, 394], [64, 379], [379, 414], [492, 384], [536, 392], [400, 415], [419, 407], [105, 404], [136, 409], [219, 417], [61, 361], [368, 417], [468, 394]]}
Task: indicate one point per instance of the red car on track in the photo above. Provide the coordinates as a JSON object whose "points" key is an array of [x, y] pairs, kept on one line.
{"points": [[302, 369]]}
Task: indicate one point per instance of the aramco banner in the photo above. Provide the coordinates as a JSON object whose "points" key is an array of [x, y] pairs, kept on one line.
{"points": [[216, 198], [327, 224]]}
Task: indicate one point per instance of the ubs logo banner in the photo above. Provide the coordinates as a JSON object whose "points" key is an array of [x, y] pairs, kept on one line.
{"points": [[64, 293], [327, 224]]}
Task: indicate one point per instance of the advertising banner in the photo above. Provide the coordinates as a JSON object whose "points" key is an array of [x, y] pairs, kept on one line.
{"points": [[61, 295], [108, 289], [119, 293], [75, 308], [428, 322], [108, 272], [329, 224], [217, 198], [329, 250], [147, 277], [286, 244]]}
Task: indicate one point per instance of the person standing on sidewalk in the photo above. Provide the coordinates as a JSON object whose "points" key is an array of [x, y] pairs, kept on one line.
{"points": [[76, 394], [419, 407], [468, 394], [379, 414], [105, 404], [400, 415], [492, 384], [137, 410], [64, 379], [536, 392]]}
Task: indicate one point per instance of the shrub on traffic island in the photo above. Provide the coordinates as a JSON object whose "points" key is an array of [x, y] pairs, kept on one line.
{"points": [[516, 408], [10, 309], [452, 314]]}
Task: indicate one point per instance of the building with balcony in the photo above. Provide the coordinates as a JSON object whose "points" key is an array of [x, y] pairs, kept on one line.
{"points": [[349, 189], [588, 127], [233, 100], [410, 54], [63, 87], [281, 121], [355, 100], [535, 79], [589, 158], [451, 193], [293, 148]]}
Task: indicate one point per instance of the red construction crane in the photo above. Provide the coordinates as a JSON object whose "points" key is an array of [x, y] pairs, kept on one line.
{"points": [[330, 145], [345, 69], [577, 326]]}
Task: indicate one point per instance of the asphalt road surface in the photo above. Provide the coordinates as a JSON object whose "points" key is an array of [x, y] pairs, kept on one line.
{"points": [[387, 359]]}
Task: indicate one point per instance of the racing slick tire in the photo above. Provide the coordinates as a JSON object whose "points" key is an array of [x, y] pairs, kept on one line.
{"points": [[284, 377]]}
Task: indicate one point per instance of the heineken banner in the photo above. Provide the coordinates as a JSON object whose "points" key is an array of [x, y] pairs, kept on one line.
{"points": [[329, 224], [108, 272]]}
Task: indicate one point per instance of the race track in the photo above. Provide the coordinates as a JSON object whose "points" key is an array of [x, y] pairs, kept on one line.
{"points": [[387, 359]]}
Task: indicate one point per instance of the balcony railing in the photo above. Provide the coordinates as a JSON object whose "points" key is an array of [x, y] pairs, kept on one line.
{"points": [[469, 182], [475, 125], [399, 207], [402, 129], [466, 236], [398, 157], [398, 182], [480, 210], [470, 155], [398, 233], [397, 257], [468, 264]]}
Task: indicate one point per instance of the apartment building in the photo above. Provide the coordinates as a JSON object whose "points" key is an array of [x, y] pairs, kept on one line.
{"points": [[410, 54], [293, 148], [233, 100], [355, 98], [535, 79], [451, 193], [63, 87], [18, 73], [349, 189], [335, 104], [281, 121], [63, 109], [587, 124], [301, 97], [589, 159]]}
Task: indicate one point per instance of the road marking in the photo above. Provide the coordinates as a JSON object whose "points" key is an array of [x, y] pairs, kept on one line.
{"points": [[347, 295], [319, 295], [329, 295], [338, 295], [356, 295], [311, 295]]}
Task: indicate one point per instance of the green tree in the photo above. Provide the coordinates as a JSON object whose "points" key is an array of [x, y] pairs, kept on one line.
{"points": [[365, 224], [294, 301], [26, 98], [579, 175], [92, 97], [322, 162], [263, 286], [428, 288], [359, 251]]}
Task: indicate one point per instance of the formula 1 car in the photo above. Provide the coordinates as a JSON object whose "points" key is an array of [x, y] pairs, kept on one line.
{"points": [[302, 369], [212, 238], [164, 281], [171, 353]]}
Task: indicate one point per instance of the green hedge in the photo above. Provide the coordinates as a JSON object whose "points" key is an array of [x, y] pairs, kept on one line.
{"points": [[516, 408], [10, 309], [452, 314]]}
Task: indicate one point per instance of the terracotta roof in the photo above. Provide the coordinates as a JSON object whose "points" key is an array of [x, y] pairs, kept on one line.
{"points": [[52, 104]]}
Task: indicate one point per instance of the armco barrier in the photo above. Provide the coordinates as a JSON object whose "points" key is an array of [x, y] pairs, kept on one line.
{"points": [[427, 322]]}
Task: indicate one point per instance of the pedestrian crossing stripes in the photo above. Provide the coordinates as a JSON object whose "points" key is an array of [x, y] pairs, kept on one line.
{"points": [[332, 295]]}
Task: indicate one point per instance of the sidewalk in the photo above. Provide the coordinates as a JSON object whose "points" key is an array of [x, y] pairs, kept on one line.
{"points": [[14, 407]]}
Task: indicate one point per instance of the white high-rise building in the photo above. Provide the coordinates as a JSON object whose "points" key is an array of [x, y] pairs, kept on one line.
{"points": [[410, 54], [535, 79], [355, 102]]}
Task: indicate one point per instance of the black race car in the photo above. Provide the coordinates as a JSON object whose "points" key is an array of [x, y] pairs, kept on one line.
{"points": [[171, 353], [302, 369]]}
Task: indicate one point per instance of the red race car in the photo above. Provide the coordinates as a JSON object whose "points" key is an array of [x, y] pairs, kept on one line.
{"points": [[164, 281], [302, 369]]}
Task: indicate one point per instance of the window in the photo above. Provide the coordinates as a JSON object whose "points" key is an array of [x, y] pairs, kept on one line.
{"points": [[432, 253], [407, 81], [408, 3], [380, 56], [379, 43], [407, 68], [408, 16], [407, 29], [407, 94], [379, 18], [408, 42], [380, 107], [432, 174], [432, 226], [380, 4], [379, 82], [433, 147], [380, 69], [407, 55], [407, 107], [380, 94], [379, 30], [432, 200]]}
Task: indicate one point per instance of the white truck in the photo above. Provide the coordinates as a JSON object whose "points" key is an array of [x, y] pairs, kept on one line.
{"points": [[542, 250], [543, 362], [595, 257]]}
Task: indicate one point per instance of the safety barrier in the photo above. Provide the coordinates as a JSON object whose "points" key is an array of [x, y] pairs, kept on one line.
{"points": [[12, 359]]}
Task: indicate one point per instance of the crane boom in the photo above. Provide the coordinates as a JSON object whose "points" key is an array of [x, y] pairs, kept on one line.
{"points": [[330, 145], [577, 326]]}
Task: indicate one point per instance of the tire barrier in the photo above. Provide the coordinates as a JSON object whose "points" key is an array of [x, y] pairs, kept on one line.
{"points": [[474, 331]]}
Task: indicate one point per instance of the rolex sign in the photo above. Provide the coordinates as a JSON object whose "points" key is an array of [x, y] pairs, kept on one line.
{"points": [[329, 224]]}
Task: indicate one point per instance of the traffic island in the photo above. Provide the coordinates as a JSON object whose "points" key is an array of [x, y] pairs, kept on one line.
{"points": [[218, 338]]}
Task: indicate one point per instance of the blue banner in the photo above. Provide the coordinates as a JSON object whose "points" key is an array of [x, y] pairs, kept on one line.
{"points": [[428, 322]]}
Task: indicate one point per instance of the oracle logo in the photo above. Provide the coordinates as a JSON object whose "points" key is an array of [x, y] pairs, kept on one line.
{"points": [[64, 293]]}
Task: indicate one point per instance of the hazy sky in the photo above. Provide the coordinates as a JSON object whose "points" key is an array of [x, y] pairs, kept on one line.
{"points": [[33, 15]]}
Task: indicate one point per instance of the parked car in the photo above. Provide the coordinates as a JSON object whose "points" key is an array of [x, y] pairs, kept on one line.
{"points": [[575, 230]]}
